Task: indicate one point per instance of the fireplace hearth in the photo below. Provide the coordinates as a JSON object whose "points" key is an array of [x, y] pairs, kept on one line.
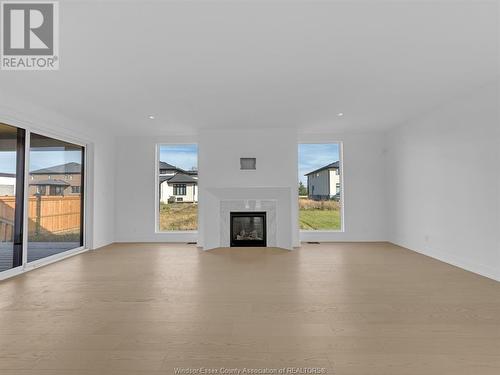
{"points": [[248, 229]]}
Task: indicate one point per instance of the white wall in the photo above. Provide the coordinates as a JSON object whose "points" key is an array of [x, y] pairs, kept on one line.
{"points": [[219, 157], [276, 154], [365, 211], [135, 196], [100, 164], [104, 190], [444, 183]]}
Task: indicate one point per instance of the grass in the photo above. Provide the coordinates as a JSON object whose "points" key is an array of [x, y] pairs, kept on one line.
{"points": [[313, 215], [319, 220], [178, 216], [319, 215]]}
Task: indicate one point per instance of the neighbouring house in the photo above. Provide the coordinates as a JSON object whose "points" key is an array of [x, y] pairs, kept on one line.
{"points": [[64, 179], [324, 183], [177, 184]]}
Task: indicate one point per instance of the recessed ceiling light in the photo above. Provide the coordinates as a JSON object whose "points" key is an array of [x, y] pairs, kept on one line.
{"points": [[340, 114], [151, 117]]}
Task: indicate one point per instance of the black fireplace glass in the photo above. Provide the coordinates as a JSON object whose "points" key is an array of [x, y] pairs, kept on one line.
{"points": [[248, 229]]}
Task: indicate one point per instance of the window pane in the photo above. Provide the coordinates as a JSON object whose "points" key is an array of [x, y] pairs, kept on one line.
{"points": [[55, 197], [10, 247], [178, 187], [320, 186]]}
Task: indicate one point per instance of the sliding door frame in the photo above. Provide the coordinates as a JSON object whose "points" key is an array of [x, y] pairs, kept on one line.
{"points": [[86, 202], [18, 243]]}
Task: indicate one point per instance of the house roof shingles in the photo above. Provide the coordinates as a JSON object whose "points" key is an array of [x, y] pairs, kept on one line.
{"points": [[170, 167], [334, 165], [68, 168], [164, 165], [165, 178], [50, 182], [179, 178]]}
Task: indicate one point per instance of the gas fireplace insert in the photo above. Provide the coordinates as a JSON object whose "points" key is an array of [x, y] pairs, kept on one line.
{"points": [[248, 229]]}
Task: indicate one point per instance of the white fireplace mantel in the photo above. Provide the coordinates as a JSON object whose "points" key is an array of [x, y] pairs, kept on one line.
{"points": [[275, 201]]}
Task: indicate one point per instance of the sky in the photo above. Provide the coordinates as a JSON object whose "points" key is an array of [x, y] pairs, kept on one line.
{"points": [[182, 156], [316, 155], [44, 159], [39, 159]]}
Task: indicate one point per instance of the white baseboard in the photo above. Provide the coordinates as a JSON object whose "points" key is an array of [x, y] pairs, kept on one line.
{"points": [[465, 264]]}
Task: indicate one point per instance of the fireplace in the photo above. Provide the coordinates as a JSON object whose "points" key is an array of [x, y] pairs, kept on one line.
{"points": [[248, 229]]}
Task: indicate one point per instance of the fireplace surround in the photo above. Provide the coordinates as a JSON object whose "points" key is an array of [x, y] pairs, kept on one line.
{"points": [[248, 229], [274, 201]]}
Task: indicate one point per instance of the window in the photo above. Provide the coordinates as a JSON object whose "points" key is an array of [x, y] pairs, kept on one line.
{"points": [[177, 173], [179, 189], [75, 189], [55, 216], [56, 190], [320, 181]]}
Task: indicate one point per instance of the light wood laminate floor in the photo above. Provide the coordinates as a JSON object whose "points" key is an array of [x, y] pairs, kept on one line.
{"points": [[361, 308]]}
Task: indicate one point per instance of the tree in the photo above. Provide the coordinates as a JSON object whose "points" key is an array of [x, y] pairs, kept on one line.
{"points": [[302, 189]]}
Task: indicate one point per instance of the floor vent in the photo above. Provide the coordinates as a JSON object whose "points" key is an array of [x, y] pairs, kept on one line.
{"points": [[191, 243], [313, 242]]}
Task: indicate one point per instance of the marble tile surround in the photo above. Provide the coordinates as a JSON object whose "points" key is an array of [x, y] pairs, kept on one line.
{"points": [[250, 205]]}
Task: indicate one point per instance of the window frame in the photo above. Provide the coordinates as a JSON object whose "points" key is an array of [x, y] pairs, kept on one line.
{"points": [[342, 190], [156, 175]]}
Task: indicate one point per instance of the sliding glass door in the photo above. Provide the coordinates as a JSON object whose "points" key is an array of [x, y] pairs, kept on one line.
{"points": [[55, 199], [11, 196], [43, 216]]}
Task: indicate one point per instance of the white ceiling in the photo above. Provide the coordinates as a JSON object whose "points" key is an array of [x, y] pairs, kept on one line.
{"points": [[204, 64]]}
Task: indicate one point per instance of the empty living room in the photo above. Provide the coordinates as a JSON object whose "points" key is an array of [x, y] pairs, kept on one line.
{"points": [[250, 187]]}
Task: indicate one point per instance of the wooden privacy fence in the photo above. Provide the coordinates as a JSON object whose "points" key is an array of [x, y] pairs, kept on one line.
{"points": [[7, 218], [47, 214]]}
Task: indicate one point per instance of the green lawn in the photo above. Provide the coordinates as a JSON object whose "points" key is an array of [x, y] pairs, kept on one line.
{"points": [[319, 219]]}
